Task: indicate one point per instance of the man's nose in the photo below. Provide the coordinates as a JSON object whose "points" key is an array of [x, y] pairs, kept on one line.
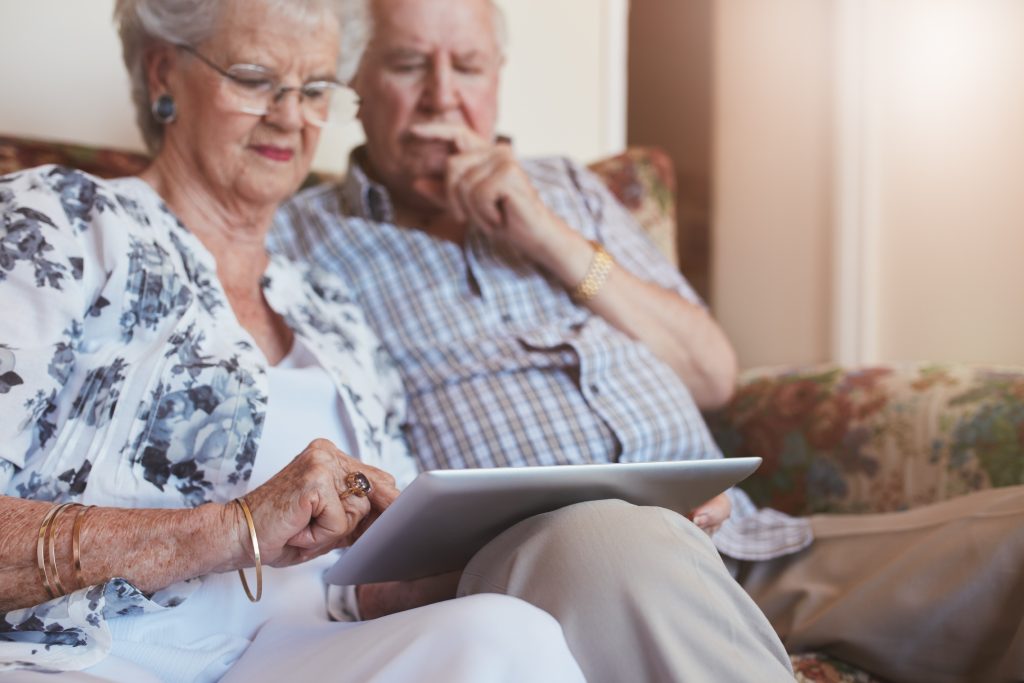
{"points": [[442, 91]]}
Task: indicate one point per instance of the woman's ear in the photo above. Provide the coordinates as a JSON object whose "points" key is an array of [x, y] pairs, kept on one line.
{"points": [[159, 61]]}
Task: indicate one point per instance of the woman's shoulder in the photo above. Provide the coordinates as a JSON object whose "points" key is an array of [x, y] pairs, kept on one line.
{"points": [[59, 225], [58, 196], [49, 180], [310, 280]]}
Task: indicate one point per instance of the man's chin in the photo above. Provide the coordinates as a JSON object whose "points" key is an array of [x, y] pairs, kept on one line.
{"points": [[429, 191]]}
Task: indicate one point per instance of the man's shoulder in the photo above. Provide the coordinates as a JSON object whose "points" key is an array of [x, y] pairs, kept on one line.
{"points": [[327, 195], [552, 173], [551, 167]]}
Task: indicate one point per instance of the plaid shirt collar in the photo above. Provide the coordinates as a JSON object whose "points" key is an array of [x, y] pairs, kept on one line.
{"points": [[363, 196]]}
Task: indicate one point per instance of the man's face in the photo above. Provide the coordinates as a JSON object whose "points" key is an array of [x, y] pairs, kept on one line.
{"points": [[429, 60]]}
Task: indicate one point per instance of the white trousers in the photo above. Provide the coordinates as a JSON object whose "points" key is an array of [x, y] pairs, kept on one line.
{"points": [[479, 639]]}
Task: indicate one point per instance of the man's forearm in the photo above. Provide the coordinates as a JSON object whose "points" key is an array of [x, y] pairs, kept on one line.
{"points": [[680, 333]]}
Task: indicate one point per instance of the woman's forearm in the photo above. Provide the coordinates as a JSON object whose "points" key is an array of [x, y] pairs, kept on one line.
{"points": [[150, 548]]}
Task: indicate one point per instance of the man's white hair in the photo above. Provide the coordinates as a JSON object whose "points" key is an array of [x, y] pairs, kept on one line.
{"points": [[143, 23], [357, 31]]}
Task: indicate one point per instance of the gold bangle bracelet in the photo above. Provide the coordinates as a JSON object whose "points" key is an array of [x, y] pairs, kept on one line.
{"points": [[41, 549], [48, 539], [255, 551], [76, 545], [597, 274]]}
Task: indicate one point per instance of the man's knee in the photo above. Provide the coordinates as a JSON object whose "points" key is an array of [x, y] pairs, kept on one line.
{"points": [[615, 527], [559, 548]]}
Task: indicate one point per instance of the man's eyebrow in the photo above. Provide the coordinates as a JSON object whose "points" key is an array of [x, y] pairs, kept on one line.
{"points": [[471, 55], [414, 53], [404, 53]]}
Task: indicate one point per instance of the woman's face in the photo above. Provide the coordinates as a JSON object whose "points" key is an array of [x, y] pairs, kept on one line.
{"points": [[243, 158]]}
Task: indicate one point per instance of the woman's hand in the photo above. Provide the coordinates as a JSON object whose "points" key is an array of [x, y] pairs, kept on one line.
{"points": [[300, 513], [712, 514], [381, 599]]}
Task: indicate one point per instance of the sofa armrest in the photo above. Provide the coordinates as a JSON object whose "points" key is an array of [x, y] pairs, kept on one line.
{"points": [[875, 439]]}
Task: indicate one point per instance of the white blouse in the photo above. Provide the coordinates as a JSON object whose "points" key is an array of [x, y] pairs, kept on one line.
{"points": [[126, 380]]}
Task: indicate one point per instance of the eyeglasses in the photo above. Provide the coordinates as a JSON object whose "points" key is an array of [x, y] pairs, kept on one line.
{"points": [[254, 89]]}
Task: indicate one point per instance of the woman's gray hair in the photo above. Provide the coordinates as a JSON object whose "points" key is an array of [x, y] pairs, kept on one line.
{"points": [[143, 23], [357, 31]]}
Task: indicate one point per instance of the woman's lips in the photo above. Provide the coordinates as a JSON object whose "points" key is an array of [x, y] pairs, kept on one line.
{"points": [[274, 153]]}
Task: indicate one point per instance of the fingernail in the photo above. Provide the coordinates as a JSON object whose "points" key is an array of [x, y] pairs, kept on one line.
{"points": [[701, 521]]}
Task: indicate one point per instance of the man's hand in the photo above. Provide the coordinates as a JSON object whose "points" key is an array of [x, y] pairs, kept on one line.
{"points": [[381, 599], [485, 186], [712, 514]]}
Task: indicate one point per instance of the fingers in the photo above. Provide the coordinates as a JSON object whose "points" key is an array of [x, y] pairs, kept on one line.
{"points": [[332, 520], [462, 138], [477, 184], [311, 506], [712, 514]]}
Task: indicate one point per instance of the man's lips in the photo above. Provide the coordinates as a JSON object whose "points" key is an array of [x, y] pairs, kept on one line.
{"points": [[274, 153]]}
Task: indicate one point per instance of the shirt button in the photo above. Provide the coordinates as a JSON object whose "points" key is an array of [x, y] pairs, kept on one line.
{"points": [[594, 389], [506, 318]]}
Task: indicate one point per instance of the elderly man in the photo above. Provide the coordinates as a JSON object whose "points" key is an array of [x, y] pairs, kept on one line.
{"points": [[534, 324]]}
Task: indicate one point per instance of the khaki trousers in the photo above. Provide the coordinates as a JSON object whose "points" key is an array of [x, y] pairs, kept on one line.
{"points": [[640, 592], [932, 595]]}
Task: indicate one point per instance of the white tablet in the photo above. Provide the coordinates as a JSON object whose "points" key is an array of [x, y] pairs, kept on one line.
{"points": [[445, 516]]}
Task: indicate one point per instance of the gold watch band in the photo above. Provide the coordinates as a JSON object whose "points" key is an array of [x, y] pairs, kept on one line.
{"points": [[597, 275]]}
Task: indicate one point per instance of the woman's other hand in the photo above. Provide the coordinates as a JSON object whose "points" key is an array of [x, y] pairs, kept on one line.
{"points": [[302, 511], [381, 599], [712, 514]]}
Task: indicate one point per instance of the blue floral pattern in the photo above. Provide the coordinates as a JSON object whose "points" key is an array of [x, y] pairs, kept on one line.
{"points": [[121, 361]]}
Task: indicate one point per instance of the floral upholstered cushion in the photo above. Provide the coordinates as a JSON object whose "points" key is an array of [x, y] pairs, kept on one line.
{"points": [[875, 439], [819, 668], [19, 153], [642, 179]]}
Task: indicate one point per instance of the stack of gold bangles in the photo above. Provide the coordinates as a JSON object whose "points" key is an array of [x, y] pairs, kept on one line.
{"points": [[46, 554]]}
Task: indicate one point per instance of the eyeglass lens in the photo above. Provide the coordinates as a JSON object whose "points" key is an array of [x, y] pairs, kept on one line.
{"points": [[254, 90]]}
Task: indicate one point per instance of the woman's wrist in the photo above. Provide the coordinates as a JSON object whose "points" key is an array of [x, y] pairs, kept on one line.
{"points": [[220, 538]]}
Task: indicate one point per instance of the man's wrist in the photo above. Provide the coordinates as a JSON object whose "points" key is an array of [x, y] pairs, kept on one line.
{"points": [[566, 254]]}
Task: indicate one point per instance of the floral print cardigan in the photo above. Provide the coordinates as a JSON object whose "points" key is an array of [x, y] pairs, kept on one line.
{"points": [[126, 380]]}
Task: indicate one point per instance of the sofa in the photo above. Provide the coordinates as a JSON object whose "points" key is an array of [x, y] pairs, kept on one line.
{"points": [[833, 439]]}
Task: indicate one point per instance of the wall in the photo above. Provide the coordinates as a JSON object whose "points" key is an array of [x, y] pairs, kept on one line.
{"points": [[771, 249], [872, 183], [670, 106], [558, 92], [951, 206]]}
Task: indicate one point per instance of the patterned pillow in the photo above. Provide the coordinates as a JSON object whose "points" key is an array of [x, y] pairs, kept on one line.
{"points": [[642, 179], [875, 439], [818, 668], [19, 153]]}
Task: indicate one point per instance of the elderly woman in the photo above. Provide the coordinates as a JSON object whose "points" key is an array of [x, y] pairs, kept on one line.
{"points": [[160, 373]]}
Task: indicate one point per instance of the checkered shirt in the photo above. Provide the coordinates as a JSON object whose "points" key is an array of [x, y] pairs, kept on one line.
{"points": [[500, 365]]}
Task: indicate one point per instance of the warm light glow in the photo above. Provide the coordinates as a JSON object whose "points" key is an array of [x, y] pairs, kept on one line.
{"points": [[938, 49]]}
